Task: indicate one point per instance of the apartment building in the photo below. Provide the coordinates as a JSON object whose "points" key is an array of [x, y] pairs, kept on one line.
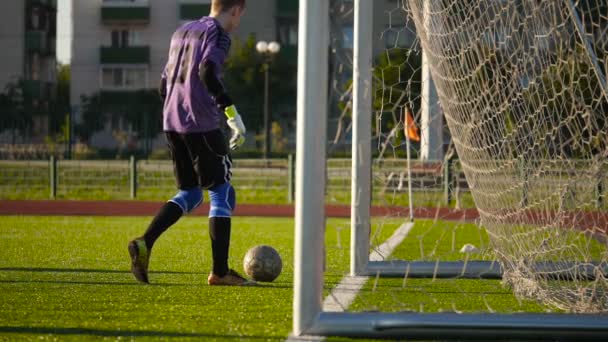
{"points": [[27, 41], [120, 46]]}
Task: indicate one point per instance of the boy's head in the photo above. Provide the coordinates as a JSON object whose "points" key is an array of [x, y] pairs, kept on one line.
{"points": [[231, 10]]}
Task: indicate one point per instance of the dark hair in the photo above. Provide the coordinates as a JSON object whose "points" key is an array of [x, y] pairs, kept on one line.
{"points": [[225, 5]]}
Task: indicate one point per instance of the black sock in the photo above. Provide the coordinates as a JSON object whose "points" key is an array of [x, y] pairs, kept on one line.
{"points": [[166, 217], [219, 231]]}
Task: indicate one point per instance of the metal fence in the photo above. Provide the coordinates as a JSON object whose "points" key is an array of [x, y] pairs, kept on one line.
{"points": [[434, 184], [256, 180]]}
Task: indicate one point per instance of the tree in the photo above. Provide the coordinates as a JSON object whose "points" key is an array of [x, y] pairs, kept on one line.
{"points": [[396, 80], [140, 110], [93, 116], [244, 78], [15, 112], [60, 106]]}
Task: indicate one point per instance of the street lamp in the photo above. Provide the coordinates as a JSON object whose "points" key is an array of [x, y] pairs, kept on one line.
{"points": [[268, 50]]}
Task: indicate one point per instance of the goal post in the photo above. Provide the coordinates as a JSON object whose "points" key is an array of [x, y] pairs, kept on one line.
{"points": [[310, 163], [309, 318], [361, 186]]}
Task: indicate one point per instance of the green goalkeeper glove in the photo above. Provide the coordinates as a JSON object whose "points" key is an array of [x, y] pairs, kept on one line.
{"points": [[236, 125]]}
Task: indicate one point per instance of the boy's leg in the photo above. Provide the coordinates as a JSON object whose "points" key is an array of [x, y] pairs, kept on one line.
{"points": [[223, 200], [140, 248], [213, 166], [219, 232], [186, 200], [166, 217]]}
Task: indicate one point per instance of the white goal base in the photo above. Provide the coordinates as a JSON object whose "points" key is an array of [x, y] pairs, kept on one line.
{"points": [[461, 326]]}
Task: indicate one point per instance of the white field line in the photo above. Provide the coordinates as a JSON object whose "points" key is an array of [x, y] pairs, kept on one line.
{"points": [[342, 296], [345, 292]]}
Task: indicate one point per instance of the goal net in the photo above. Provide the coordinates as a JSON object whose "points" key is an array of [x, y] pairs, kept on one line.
{"points": [[479, 152], [523, 89]]}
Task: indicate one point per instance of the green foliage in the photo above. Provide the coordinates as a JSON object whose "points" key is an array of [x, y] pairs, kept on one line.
{"points": [[396, 85], [141, 110], [12, 116], [24, 100], [559, 114], [93, 116], [568, 95], [60, 106], [145, 113], [397, 75], [244, 78], [278, 141], [18, 109]]}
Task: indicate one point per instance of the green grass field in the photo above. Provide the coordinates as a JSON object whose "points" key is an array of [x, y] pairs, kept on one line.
{"points": [[431, 241], [68, 278]]}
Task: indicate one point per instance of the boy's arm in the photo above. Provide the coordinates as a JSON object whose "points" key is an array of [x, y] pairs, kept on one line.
{"points": [[162, 88], [208, 76]]}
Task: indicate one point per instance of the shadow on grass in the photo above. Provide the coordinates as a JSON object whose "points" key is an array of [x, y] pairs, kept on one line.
{"points": [[124, 333], [133, 283], [81, 270], [276, 285]]}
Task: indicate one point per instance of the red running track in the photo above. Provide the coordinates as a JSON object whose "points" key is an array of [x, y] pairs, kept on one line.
{"points": [[595, 222], [141, 208]]}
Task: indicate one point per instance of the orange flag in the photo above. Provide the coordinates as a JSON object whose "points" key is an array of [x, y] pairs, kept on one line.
{"points": [[410, 128]]}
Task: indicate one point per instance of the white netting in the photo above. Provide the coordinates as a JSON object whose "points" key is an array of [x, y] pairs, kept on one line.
{"points": [[522, 90], [522, 85]]}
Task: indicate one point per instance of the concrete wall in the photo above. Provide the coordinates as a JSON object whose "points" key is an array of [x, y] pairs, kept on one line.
{"points": [[12, 41], [87, 38]]}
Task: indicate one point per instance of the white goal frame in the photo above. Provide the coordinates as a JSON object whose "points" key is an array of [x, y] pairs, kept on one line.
{"points": [[308, 315]]}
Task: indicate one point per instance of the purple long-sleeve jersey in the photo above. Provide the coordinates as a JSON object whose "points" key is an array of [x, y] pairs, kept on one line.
{"points": [[189, 107]]}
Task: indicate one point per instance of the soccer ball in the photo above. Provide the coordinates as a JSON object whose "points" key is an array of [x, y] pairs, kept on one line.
{"points": [[262, 263]]}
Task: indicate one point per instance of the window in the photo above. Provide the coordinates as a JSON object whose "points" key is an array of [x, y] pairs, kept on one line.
{"points": [[111, 77], [288, 32], [124, 78], [124, 38], [35, 19], [135, 78]]}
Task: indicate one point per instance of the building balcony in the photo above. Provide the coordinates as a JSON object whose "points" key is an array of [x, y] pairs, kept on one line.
{"points": [[48, 4], [125, 12], [193, 11], [125, 55], [287, 8]]}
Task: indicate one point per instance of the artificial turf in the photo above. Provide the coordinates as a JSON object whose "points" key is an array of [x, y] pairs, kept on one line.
{"points": [[68, 278]]}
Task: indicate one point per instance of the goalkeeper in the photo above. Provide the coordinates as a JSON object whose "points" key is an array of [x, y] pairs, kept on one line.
{"points": [[195, 101]]}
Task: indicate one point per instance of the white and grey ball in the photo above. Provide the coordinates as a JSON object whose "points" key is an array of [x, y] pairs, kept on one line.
{"points": [[262, 263]]}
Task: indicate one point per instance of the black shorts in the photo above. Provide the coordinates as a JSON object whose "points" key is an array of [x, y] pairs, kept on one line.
{"points": [[200, 159]]}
